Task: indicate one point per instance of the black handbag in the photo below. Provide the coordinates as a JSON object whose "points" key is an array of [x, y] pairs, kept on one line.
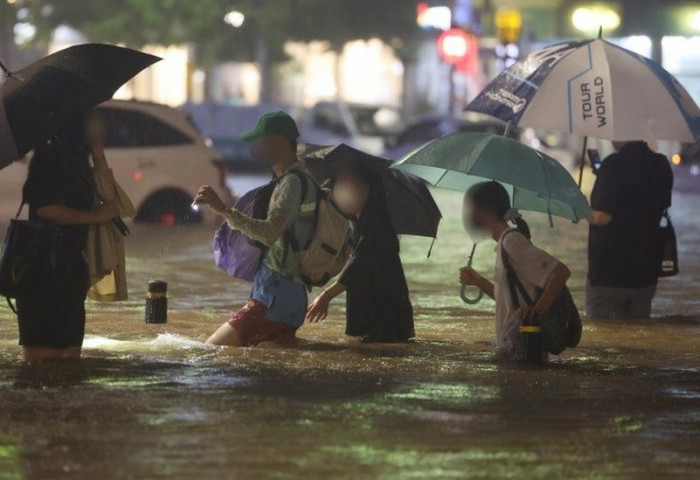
{"points": [[667, 249], [24, 243], [561, 325]]}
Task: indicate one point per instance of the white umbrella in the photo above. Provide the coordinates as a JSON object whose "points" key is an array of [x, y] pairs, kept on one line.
{"points": [[592, 88]]}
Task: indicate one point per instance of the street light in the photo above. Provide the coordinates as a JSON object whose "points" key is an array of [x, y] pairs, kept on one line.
{"points": [[235, 18]]}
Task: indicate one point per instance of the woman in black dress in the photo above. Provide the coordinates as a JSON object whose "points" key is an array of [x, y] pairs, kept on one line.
{"points": [[378, 304], [51, 316]]}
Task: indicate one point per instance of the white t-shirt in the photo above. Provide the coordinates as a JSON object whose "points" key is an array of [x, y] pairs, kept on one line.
{"points": [[533, 267]]}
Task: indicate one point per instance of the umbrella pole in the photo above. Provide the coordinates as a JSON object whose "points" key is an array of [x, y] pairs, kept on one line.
{"points": [[583, 160]]}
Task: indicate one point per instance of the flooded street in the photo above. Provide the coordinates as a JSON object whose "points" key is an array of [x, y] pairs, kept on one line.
{"points": [[155, 402]]}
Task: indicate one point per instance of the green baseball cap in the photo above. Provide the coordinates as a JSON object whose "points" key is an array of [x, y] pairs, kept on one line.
{"points": [[275, 123]]}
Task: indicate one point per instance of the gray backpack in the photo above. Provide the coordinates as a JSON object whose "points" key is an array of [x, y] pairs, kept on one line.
{"points": [[322, 235]]}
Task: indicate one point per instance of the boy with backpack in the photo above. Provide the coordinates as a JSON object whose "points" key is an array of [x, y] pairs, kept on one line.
{"points": [[297, 251]]}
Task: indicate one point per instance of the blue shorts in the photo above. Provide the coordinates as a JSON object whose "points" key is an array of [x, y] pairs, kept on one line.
{"points": [[286, 301]]}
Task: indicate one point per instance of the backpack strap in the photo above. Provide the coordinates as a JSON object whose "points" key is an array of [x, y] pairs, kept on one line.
{"points": [[515, 285], [290, 237]]}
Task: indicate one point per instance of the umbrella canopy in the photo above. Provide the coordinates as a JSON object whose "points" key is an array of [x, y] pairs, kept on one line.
{"points": [[411, 207], [592, 88], [534, 181], [37, 100]]}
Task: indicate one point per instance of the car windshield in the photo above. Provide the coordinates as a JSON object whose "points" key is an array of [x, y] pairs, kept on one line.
{"points": [[376, 121]]}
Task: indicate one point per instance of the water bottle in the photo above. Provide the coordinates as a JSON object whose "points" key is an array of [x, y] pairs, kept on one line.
{"points": [[157, 302]]}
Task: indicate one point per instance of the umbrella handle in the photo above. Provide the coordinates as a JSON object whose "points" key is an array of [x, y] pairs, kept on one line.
{"points": [[470, 301], [463, 290]]}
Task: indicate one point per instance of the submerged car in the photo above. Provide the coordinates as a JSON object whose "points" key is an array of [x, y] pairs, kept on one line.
{"points": [[428, 128], [158, 157], [365, 127]]}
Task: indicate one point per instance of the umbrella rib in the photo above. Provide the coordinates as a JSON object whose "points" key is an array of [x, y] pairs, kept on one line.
{"points": [[444, 172]]}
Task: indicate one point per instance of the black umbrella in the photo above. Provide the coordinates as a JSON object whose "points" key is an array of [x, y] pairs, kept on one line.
{"points": [[412, 209], [37, 100]]}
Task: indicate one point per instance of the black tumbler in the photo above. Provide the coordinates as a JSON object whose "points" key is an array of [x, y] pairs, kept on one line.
{"points": [[157, 302]]}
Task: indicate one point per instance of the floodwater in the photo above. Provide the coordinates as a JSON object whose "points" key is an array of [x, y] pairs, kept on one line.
{"points": [[154, 402]]}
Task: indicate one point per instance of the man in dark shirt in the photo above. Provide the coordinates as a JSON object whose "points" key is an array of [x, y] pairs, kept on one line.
{"points": [[632, 191]]}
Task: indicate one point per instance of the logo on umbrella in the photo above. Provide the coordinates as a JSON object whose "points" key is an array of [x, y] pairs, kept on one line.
{"points": [[510, 100]]}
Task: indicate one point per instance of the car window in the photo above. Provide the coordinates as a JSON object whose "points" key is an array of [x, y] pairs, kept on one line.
{"points": [[376, 121], [131, 129]]}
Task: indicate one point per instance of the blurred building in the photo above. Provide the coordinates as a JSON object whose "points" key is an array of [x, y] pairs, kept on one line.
{"points": [[418, 80]]}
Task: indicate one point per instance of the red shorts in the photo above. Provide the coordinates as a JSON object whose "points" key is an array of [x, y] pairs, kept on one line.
{"points": [[253, 328]]}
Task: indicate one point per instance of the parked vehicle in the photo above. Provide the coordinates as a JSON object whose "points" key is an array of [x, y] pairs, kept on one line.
{"points": [[364, 127], [425, 129], [223, 124], [157, 155]]}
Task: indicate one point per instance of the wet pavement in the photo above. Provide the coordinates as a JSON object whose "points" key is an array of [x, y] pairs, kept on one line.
{"points": [[154, 402]]}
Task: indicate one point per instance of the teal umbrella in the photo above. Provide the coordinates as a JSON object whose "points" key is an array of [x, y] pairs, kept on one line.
{"points": [[534, 181]]}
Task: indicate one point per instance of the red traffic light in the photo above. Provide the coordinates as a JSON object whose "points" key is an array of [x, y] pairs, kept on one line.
{"points": [[456, 46]]}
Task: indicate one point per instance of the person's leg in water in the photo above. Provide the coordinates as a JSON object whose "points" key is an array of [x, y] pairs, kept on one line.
{"points": [[225, 335], [610, 303], [39, 354], [249, 327]]}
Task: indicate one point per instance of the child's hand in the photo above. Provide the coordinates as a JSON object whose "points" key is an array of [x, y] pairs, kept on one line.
{"points": [[468, 276]]}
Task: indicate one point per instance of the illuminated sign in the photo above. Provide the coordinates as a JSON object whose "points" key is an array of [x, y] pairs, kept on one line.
{"points": [[509, 23]]}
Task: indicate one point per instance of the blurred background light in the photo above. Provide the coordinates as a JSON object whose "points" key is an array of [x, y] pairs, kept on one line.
{"points": [[235, 18], [434, 17], [591, 18]]}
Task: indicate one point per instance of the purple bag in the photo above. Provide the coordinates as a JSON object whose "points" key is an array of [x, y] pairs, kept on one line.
{"points": [[235, 253]]}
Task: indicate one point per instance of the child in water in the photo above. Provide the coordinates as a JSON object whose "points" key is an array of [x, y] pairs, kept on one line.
{"points": [[488, 211]]}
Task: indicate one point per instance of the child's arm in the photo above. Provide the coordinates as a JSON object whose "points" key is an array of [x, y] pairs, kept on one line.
{"points": [[318, 309], [470, 277], [555, 284]]}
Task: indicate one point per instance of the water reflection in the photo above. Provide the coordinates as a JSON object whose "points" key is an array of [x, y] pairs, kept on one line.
{"points": [[154, 401]]}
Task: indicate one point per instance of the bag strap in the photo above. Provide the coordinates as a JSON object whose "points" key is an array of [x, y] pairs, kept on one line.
{"points": [[514, 283], [12, 307], [290, 239], [21, 207]]}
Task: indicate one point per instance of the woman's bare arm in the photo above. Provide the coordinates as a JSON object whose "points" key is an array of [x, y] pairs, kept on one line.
{"points": [[64, 215], [600, 218]]}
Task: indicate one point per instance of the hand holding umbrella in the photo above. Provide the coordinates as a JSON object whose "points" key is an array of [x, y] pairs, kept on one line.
{"points": [[534, 181], [463, 291], [36, 101], [412, 209]]}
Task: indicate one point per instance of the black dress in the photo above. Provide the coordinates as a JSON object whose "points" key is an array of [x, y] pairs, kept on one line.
{"points": [[378, 304], [52, 314]]}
